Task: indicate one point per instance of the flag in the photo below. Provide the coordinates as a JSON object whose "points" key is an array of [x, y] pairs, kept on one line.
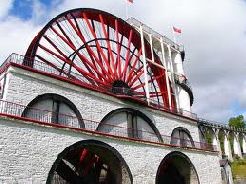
{"points": [[176, 30], [130, 1]]}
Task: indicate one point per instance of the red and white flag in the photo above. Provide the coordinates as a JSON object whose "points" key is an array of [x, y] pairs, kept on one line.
{"points": [[176, 30], [130, 1]]}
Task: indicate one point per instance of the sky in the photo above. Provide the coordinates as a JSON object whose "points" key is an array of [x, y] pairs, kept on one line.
{"points": [[213, 33]]}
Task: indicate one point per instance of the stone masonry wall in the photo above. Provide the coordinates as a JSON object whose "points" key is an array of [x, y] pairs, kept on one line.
{"points": [[28, 151]]}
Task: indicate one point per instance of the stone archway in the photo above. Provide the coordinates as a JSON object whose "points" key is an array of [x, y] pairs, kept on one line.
{"points": [[176, 168], [89, 162]]}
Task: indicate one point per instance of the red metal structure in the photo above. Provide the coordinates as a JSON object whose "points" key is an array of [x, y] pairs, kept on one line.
{"points": [[102, 52]]}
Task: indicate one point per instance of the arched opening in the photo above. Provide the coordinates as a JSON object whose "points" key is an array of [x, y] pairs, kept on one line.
{"points": [[130, 123], [231, 138], [241, 142], [206, 135], [176, 168], [54, 108], [221, 136], [209, 135], [181, 136], [89, 162]]}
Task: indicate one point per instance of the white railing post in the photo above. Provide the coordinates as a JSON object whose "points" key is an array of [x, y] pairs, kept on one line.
{"points": [[166, 73], [145, 66], [172, 76]]}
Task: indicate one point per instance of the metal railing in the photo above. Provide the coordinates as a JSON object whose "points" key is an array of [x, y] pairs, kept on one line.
{"points": [[149, 30], [46, 117], [42, 67], [215, 124], [181, 112]]}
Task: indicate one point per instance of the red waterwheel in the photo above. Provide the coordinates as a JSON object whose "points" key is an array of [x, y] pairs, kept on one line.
{"points": [[101, 52]]}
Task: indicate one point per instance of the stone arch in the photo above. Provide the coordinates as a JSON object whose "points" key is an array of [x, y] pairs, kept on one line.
{"points": [[130, 122], [181, 136], [202, 136], [176, 168], [205, 142], [54, 108], [241, 141], [231, 137], [221, 135], [89, 162], [208, 134], [243, 136]]}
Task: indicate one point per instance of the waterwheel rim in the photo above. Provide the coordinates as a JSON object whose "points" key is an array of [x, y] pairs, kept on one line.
{"points": [[100, 51]]}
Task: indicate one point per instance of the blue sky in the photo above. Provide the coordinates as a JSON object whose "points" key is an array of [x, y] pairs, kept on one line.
{"points": [[26, 9], [22, 9], [213, 33]]}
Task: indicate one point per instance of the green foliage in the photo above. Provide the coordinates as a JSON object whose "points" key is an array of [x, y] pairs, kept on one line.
{"points": [[239, 168], [208, 137], [221, 139], [237, 122]]}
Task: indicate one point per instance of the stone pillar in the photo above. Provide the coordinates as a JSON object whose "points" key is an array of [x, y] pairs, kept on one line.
{"points": [[216, 141], [244, 144], [227, 147], [236, 145], [229, 175]]}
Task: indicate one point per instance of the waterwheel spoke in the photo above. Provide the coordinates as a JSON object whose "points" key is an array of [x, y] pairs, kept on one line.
{"points": [[139, 73], [89, 50], [98, 45], [119, 43], [68, 40], [127, 61], [106, 35], [91, 54], [131, 72]]}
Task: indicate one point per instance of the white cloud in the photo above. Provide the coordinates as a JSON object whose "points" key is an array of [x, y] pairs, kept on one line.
{"points": [[39, 12], [214, 34], [16, 35], [242, 96], [5, 6]]}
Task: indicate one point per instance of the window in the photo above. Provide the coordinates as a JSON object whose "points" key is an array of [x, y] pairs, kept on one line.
{"points": [[181, 137], [129, 123], [53, 108]]}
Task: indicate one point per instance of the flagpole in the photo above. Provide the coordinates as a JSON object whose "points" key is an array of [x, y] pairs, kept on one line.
{"points": [[174, 36]]}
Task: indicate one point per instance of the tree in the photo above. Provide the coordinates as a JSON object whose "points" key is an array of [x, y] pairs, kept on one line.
{"points": [[237, 122]]}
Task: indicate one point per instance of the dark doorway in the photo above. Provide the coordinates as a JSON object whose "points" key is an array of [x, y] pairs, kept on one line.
{"points": [[89, 162], [176, 168]]}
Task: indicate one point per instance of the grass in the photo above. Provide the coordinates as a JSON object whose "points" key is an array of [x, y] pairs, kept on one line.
{"points": [[239, 168]]}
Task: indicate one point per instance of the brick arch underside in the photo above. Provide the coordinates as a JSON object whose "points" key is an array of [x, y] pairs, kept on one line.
{"points": [[90, 162], [176, 168]]}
